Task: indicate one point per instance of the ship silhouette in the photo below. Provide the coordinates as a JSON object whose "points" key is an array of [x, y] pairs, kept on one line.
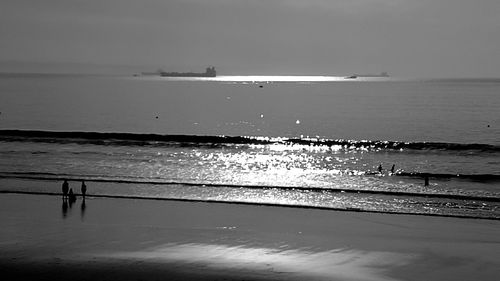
{"points": [[209, 72]]}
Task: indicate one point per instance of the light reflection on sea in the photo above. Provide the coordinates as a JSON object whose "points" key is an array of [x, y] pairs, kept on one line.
{"points": [[254, 165], [243, 79]]}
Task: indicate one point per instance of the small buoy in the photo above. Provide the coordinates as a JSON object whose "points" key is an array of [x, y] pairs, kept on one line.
{"points": [[156, 117], [261, 86], [262, 116], [297, 122]]}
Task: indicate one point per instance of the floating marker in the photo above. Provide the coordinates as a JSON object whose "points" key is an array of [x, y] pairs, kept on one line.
{"points": [[297, 122]]}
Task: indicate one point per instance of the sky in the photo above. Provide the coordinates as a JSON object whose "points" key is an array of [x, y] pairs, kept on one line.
{"points": [[407, 38]]}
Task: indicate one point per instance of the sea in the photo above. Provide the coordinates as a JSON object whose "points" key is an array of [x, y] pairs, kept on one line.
{"points": [[374, 144]]}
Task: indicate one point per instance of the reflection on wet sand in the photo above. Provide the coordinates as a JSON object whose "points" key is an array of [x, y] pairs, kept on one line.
{"points": [[82, 209], [65, 208], [67, 205], [341, 264]]}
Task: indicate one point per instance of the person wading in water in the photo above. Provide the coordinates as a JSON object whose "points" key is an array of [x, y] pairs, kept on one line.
{"points": [[84, 189]]}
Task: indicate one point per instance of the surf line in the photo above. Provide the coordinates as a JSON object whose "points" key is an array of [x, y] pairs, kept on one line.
{"points": [[265, 187], [211, 201]]}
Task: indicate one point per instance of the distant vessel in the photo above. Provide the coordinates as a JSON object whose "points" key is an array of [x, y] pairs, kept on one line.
{"points": [[155, 73], [209, 72]]}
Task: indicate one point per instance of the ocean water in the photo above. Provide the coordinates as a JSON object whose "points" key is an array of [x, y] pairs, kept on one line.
{"points": [[298, 141]]}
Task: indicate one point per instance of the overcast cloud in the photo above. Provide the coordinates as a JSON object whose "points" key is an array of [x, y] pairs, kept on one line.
{"points": [[445, 38]]}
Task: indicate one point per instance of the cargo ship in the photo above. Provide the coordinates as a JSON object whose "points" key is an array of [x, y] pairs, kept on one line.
{"points": [[209, 72]]}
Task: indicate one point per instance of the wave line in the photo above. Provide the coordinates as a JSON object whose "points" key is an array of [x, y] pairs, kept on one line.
{"points": [[52, 177], [211, 201], [136, 139]]}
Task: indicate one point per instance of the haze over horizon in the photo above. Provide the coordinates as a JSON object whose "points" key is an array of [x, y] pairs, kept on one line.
{"points": [[440, 38]]}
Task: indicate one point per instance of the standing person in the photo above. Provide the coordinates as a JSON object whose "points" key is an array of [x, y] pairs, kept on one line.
{"points": [[65, 189], [84, 189], [71, 196]]}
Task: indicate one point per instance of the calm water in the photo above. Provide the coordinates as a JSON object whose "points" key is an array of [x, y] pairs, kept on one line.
{"points": [[308, 141]]}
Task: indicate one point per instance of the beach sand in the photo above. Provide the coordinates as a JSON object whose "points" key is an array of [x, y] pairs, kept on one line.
{"points": [[133, 239]]}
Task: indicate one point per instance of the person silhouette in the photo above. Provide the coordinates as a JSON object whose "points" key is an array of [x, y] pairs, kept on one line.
{"points": [[65, 188], [71, 196], [83, 189], [379, 168], [392, 169]]}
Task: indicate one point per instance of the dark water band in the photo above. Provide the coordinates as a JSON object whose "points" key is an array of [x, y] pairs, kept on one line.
{"points": [[136, 139]]}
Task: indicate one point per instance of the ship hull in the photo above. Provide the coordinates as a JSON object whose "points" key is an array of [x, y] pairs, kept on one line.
{"points": [[174, 74]]}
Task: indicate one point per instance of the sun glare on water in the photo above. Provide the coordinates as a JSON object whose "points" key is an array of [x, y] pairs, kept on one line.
{"points": [[273, 78], [268, 78]]}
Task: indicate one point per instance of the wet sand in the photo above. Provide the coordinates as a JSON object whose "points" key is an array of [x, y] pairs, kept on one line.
{"points": [[131, 239]]}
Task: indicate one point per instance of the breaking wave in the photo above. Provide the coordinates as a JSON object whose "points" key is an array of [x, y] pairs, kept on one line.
{"points": [[136, 139]]}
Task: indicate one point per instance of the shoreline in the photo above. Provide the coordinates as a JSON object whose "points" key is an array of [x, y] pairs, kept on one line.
{"points": [[260, 187], [152, 239], [356, 210]]}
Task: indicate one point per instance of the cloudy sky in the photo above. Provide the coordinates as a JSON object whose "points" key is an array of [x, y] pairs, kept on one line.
{"points": [[421, 38]]}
